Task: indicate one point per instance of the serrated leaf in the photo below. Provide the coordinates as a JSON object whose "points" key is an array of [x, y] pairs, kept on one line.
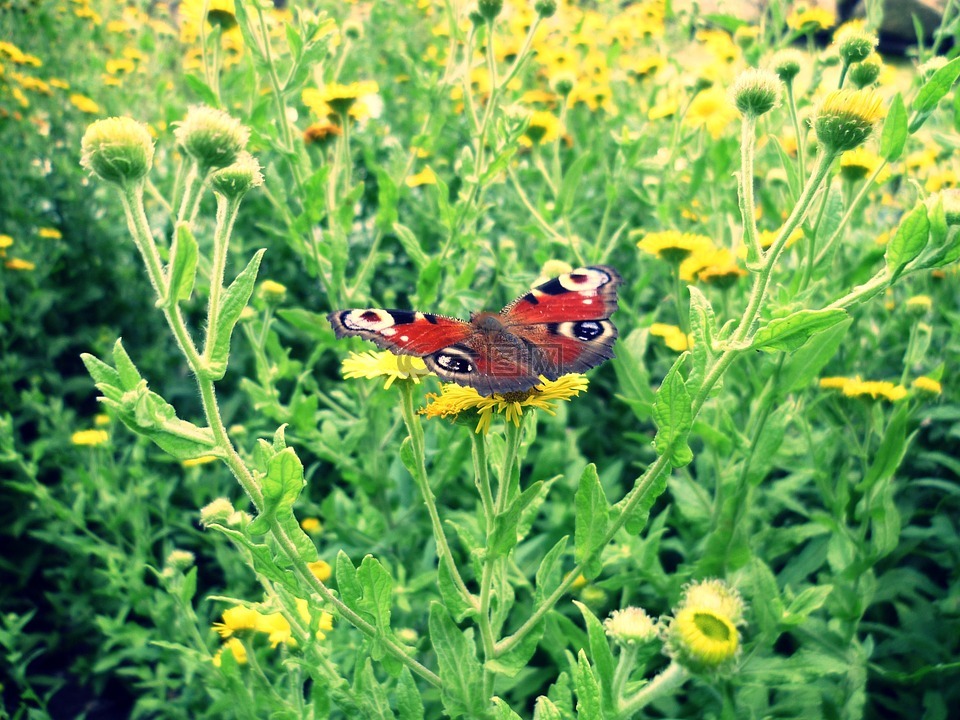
{"points": [[130, 377], [409, 702], [936, 88], [518, 658], [101, 373], [546, 710], [502, 711], [592, 512], [600, 653], [347, 583], [183, 267], [909, 240], [792, 332], [703, 328], [802, 366], [377, 587], [371, 695], [588, 690], [460, 671], [672, 411], [550, 570], [411, 245], [805, 603], [454, 601], [894, 134], [232, 303], [503, 538], [203, 91]]}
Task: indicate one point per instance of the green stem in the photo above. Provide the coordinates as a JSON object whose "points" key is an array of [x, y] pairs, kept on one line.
{"points": [[801, 140], [854, 206], [628, 659], [419, 472], [482, 474], [667, 681], [227, 209], [748, 132], [193, 190]]}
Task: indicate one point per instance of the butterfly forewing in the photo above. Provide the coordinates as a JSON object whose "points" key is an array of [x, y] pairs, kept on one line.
{"points": [[559, 327]]}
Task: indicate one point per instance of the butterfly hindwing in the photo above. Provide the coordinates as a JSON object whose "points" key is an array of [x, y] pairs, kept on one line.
{"points": [[588, 293]]}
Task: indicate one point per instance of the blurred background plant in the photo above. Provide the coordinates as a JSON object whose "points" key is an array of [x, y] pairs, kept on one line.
{"points": [[442, 168]]}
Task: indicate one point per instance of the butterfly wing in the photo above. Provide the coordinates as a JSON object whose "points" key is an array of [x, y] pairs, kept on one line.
{"points": [[402, 332], [567, 320]]}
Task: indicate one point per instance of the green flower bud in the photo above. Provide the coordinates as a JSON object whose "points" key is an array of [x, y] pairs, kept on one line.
{"points": [[216, 512], [272, 292], [951, 204], [756, 92], [787, 63], [845, 118], [211, 137], [235, 180], [118, 149], [563, 82], [352, 29], [931, 66], [865, 73], [489, 9], [546, 8], [854, 44]]}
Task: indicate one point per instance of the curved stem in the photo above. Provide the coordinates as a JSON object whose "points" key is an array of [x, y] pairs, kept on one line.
{"points": [[801, 160], [670, 679], [747, 207]]}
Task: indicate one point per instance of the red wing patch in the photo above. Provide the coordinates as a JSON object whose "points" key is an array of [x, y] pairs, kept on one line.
{"points": [[588, 293], [401, 331]]}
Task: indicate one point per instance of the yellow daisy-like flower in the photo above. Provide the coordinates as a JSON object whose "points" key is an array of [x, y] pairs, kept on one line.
{"points": [[835, 383], [372, 364], [84, 104], [544, 127], [860, 162], [19, 264], [674, 246], [311, 526], [456, 399], [810, 19], [927, 385], [339, 98], [920, 303], [321, 570], [425, 177], [234, 646], [711, 109], [673, 337], [702, 635], [202, 460], [49, 233], [89, 438], [874, 389], [236, 620], [5, 242], [845, 118]]}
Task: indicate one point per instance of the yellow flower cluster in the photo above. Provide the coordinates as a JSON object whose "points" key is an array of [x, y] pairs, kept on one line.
{"points": [[856, 388], [241, 622]]}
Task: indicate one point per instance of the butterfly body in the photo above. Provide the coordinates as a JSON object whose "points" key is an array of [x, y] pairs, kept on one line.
{"points": [[559, 327]]}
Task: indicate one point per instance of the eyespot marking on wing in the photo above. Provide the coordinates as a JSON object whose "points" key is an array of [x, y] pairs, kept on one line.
{"points": [[370, 319]]}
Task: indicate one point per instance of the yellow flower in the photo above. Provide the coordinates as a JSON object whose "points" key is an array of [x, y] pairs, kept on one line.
{"points": [[372, 364], [673, 245], [630, 626], [673, 337], [17, 56], [664, 108], [321, 570], [320, 133], [89, 437], [455, 399], [234, 646], [49, 233], [5, 242], [84, 104], [544, 127], [702, 635], [920, 302], [856, 164], [202, 460], [339, 98], [875, 389], [424, 177], [236, 620], [711, 109], [311, 526], [927, 385], [844, 119], [810, 19], [101, 419], [834, 383]]}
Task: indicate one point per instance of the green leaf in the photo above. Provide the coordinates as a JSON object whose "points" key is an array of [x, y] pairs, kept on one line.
{"points": [[571, 181], [203, 91], [429, 282], [518, 658], [894, 134], [550, 570], [588, 690], [502, 711], [411, 245], [453, 600], [802, 366], [890, 453], [232, 303], [934, 89], [189, 587], [703, 327], [103, 375], [460, 671], [673, 413], [409, 703], [546, 710], [800, 607], [909, 240], [600, 653], [371, 694], [591, 520], [503, 538], [377, 587], [347, 583], [792, 332], [130, 377], [183, 268]]}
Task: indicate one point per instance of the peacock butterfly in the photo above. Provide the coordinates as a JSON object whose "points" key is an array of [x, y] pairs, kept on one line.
{"points": [[559, 327]]}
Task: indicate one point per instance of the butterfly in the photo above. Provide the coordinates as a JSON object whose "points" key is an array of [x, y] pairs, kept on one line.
{"points": [[562, 326]]}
